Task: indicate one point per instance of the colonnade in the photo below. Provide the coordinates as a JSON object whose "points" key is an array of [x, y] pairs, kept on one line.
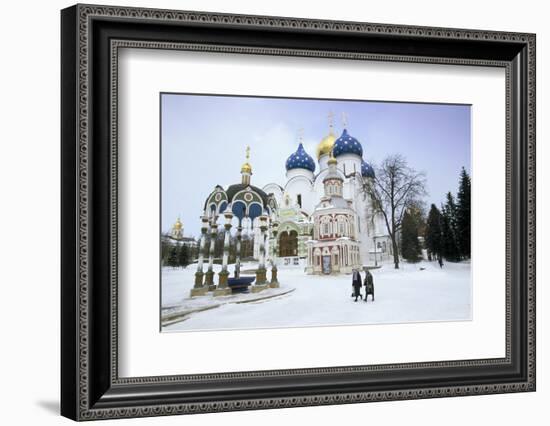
{"points": [[205, 281]]}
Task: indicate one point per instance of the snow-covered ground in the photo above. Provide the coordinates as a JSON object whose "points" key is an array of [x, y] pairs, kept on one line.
{"points": [[408, 294]]}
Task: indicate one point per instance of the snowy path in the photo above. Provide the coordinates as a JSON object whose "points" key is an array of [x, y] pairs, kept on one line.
{"points": [[405, 295]]}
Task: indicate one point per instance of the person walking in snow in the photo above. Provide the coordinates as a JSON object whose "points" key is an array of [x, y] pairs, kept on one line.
{"points": [[440, 260], [369, 285], [356, 283]]}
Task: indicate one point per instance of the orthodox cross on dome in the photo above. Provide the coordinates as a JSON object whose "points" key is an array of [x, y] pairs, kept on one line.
{"points": [[301, 134], [246, 169], [330, 117], [344, 120]]}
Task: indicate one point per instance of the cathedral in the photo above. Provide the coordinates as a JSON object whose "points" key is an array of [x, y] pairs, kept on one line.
{"points": [[320, 219], [326, 220]]}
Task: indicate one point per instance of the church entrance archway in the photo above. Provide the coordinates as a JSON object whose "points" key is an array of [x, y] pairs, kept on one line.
{"points": [[288, 244], [327, 267]]}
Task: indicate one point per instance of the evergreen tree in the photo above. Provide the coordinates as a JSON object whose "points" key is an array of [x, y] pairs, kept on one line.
{"points": [[433, 232], [165, 248], [463, 217], [410, 246], [173, 256], [448, 240], [183, 256], [452, 213]]}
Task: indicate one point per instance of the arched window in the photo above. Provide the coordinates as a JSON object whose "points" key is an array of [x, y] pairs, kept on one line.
{"points": [[341, 228]]}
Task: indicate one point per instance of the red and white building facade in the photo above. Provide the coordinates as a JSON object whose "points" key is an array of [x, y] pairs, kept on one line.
{"points": [[334, 247]]}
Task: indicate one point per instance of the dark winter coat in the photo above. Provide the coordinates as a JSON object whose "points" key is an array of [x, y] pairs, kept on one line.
{"points": [[356, 283], [369, 283]]}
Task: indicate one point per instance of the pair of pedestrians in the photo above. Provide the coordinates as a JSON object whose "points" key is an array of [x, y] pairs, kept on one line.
{"points": [[357, 283]]}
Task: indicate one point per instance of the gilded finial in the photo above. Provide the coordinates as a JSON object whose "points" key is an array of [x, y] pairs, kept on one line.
{"points": [[327, 142], [246, 167]]}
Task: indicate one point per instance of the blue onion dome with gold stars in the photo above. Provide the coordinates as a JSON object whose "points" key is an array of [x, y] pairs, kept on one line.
{"points": [[300, 160], [347, 144], [366, 169]]}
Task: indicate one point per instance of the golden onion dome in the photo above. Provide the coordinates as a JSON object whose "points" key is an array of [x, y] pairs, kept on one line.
{"points": [[325, 146], [246, 168], [178, 225]]}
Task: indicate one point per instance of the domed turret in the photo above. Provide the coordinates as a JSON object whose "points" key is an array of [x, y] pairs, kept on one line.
{"points": [[326, 144], [366, 169], [347, 144], [300, 160], [177, 230], [246, 169]]}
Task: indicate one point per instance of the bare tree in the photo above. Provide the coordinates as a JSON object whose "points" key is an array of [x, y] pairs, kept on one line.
{"points": [[394, 188]]}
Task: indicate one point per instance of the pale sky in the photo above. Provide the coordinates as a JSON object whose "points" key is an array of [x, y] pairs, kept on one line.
{"points": [[204, 140]]}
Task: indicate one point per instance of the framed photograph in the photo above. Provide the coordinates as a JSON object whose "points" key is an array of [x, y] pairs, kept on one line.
{"points": [[264, 212]]}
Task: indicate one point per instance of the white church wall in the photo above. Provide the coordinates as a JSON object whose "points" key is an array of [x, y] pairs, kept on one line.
{"points": [[299, 173], [349, 163], [301, 185], [276, 190], [318, 187], [351, 189]]}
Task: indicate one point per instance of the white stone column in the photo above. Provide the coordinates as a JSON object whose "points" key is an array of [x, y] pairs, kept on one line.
{"points": [[238, 251], [274, 278], [262, 244], [202, 246], [256, 232], [223, 289], [210, 273], [200, 289], [261, 272]]}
